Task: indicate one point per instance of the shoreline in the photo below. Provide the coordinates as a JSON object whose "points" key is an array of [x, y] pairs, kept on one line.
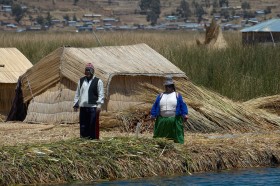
{"points": [[126, 157]]}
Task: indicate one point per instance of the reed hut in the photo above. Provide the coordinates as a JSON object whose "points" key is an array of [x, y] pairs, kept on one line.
{"points": [[12, 64], [265, 32], [48, 87]]}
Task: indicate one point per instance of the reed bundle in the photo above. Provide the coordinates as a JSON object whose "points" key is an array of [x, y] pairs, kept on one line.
{"points": [[231, 151], [213, 37], [208, 111], [269, 103], [87, 160], [121, 155]]}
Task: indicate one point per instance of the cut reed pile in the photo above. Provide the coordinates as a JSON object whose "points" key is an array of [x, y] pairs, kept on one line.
{"points": [[217, 152], [221, 114], [269, 103], [208, 112], [20, 133], [213, 37]]}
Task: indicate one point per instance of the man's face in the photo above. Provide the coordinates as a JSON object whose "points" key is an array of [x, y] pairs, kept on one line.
{"points": [[87, 72]]}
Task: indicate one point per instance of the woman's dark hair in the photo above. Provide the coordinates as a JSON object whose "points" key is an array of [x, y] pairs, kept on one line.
{"points": [[171, 86]]}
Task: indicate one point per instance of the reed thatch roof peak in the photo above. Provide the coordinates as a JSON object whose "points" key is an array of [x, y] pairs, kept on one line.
{"points": [[109, 61], [12, 64]]}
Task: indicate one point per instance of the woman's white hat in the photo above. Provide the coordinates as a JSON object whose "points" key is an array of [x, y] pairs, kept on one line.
{"points": [[168, 81]]}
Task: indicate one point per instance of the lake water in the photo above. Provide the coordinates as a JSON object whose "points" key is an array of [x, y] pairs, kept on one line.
{"points": [[254, 176]]}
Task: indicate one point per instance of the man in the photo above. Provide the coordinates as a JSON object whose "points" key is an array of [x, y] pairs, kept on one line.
{"points": [[89, 97]]}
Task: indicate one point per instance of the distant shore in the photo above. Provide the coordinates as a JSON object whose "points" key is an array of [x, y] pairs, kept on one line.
{"points": [[120, 157]]}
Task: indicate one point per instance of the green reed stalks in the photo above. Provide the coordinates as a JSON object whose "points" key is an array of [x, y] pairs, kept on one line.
{"points": [[238, 72]]}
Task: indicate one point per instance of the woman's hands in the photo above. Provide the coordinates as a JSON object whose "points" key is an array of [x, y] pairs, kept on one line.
{"points": [[186, 118], [152, 118]]}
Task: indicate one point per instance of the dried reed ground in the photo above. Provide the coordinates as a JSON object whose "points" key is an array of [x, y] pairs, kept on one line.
{"points": [[54, 153]]}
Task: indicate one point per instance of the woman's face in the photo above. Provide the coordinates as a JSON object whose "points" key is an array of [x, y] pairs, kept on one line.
{"points": [[169, 88]]}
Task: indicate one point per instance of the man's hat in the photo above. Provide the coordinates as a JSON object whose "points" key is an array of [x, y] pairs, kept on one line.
{"points": [[89, 65]]}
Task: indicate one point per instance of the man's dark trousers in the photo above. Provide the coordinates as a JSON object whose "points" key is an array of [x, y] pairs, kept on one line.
{"points": [[88, 122]]}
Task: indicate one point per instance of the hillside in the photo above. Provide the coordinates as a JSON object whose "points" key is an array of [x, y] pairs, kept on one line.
{"points": [[125, 10]]}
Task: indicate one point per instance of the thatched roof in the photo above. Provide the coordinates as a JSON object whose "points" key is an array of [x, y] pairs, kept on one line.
{"points": [[68, 62], [13, 63]]}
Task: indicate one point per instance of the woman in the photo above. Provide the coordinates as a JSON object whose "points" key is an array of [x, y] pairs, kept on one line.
{"points": [[170, 111]]}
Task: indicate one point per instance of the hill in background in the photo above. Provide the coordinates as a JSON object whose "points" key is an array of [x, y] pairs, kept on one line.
{"points": [[128, 12], [125, 9]]}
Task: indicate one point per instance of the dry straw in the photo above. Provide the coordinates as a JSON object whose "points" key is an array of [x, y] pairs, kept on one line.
{"points": [[269, 103], [208, 111], [213, 37], [126, 157], [85, 160], [217, 152]]}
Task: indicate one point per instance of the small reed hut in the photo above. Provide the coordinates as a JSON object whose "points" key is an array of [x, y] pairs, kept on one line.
{"points": [[265, 32], [12, 65], [48, 87]]}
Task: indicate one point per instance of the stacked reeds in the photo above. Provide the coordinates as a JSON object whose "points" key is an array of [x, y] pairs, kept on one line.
{"points": [[87, 160], [208, 112], [229, 151], [125, 157], [213, 37], [269, 103]]}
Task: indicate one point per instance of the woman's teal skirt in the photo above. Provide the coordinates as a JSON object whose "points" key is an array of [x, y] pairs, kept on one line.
{"points": [[170, 128]]}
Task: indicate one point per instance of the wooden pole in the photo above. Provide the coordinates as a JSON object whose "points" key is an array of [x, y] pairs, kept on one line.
{"points": [[2, 65]]}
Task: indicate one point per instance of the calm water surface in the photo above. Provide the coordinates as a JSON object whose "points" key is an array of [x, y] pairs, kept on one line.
{"points": [[256, 176]]}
